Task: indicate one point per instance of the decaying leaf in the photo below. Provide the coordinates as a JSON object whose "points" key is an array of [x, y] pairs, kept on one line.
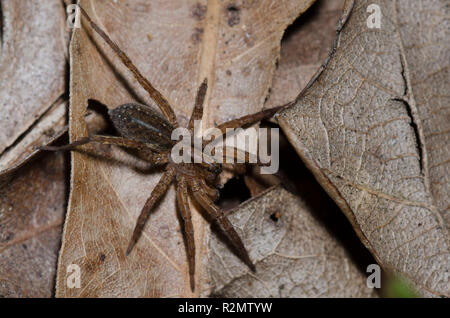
{"points": [[306, 44], [175, 44], [32, 77], [294, 254], [373, 128], [32, 209]]}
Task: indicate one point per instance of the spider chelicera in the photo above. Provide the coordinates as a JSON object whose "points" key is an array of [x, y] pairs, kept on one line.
{"points": [[146, 130]]}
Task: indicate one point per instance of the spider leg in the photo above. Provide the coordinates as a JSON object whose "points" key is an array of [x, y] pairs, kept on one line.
{"points": [[183, 206], [233, 158], [107, 140], [210, 191], [73, 145], [237, 154], [157, 193], [162, 102], [217, 214], [249, 119], [151, 153], [244, 122], [197, 112], [206, 171]]}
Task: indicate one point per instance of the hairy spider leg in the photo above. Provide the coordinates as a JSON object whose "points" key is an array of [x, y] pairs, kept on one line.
{"points": [[197, 112], [151, 153], [217, 214], [160, 100], [248, 120], [213, 193], [157, 192], [185, 211]]}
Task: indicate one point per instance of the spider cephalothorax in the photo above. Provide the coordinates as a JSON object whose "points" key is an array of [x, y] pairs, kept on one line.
{"points": [[146, 130]]}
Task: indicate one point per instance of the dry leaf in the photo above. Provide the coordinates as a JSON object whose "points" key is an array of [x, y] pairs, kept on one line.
{"points": [[373, 128], [306, 44], [32, 199], [294, 255], [32, 73], [175, 44], [32, 208]]}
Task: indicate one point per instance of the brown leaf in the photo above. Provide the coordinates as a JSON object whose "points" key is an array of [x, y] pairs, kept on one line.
{"points": [[32, 208], [306, 44], [175, 44], [294, 255], [32, 73], [373, 128]]}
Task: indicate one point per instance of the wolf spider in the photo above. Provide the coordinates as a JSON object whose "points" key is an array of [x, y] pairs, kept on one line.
{"points": [[144, 129]]}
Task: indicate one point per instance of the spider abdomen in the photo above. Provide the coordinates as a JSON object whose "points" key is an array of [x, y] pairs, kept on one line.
{"points": [[142, 123]]}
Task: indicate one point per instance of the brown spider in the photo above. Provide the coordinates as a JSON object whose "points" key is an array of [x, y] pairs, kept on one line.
{"points": [[143, 128]]}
